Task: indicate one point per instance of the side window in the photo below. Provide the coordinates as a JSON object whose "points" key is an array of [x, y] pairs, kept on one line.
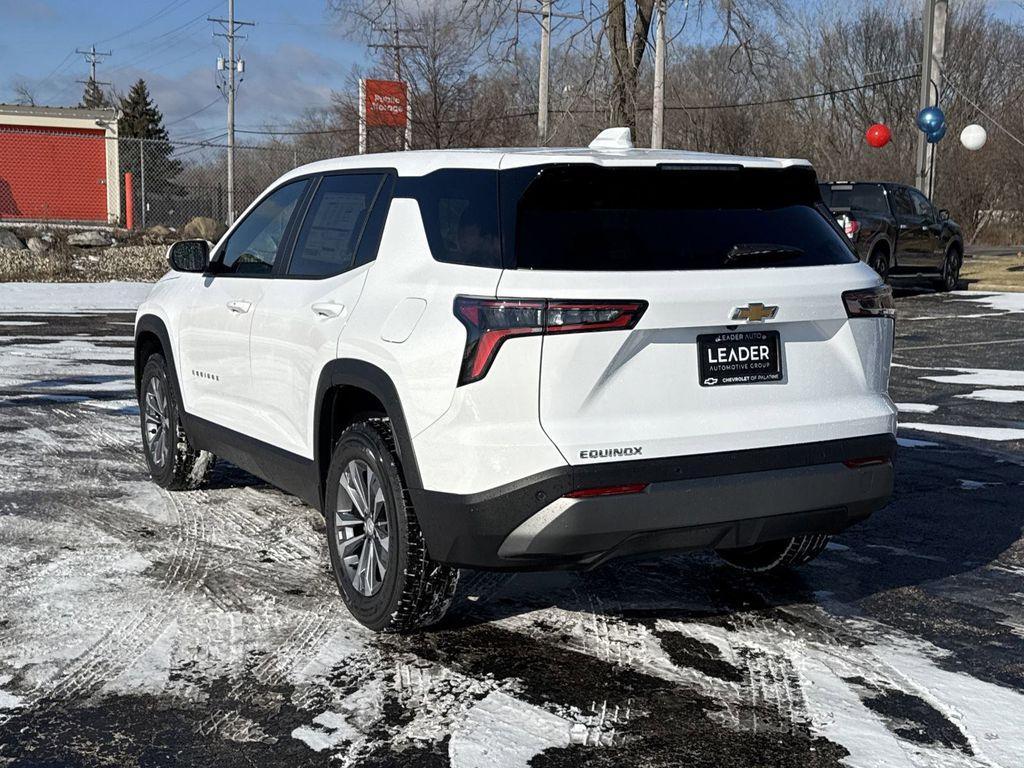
{"points": [[333, 225], [460, 214], [921, 205], [253, 246], [904, 207]]}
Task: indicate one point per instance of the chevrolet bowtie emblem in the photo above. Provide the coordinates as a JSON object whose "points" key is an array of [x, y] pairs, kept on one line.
{"points": [[754, 313]]}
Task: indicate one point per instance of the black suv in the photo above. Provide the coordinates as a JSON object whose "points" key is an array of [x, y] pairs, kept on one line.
{"points": [[897, 230]]}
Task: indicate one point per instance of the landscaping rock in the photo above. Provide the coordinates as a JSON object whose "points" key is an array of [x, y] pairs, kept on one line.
{"points": [[10, 241], [37, 245], [159, 230], [203, 228], [89, 239]]}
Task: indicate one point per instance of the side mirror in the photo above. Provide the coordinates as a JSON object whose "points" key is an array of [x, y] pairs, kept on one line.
{"points": [[943, 214], [189, 256]]}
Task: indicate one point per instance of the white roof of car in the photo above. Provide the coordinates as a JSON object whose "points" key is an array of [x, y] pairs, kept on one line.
{"points": [[422, 162]]}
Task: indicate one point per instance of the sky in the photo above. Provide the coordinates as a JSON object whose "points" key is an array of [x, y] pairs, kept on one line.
{"points": [[294, 56]]}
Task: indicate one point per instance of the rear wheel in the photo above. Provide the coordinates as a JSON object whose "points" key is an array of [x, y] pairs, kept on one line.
{"points": [[174, 462], [879, 261], [951, 269], [377, 550], [776, 555]]}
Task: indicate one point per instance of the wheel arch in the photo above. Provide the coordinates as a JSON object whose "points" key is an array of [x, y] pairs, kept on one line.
{"points": [[348, 388], [151, 336]]}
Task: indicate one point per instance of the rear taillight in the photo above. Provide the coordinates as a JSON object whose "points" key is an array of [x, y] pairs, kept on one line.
{"points": [[489, 322], [851, 227], [869, 461], [607, 490], [870, 302]]}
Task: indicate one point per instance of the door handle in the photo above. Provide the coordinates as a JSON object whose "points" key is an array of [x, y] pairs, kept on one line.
{"points": [[328, 309], [240, 307]]}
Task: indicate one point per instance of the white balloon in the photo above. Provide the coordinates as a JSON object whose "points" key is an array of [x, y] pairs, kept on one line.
{"points": [[973, 137]]}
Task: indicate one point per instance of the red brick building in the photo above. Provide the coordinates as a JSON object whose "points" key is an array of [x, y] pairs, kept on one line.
{"points": [[59, 164]]}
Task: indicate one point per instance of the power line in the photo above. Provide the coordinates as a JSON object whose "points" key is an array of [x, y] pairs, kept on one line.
{"points": [[193, 114], [533, 112], [159, 14]]}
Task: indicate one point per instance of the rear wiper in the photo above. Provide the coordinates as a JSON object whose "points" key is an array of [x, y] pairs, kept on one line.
{"points": [[744, 252]]}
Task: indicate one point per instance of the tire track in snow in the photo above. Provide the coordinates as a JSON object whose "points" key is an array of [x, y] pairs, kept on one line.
{"points": [[122, 644]]}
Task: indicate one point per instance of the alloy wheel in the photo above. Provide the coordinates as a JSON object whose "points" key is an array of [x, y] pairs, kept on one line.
{"points": [[361, 524], [158, 428]]}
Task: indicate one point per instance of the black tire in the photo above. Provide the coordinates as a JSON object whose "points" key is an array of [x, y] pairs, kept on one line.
{"points": [[878, 260], [776, 555], [951, 264], [174, 462], [414, 591]]}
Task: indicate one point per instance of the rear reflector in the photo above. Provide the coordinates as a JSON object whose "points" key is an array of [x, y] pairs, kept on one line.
{"points": [[489, 322], [866, 462], [608, 490], [870, 302]]}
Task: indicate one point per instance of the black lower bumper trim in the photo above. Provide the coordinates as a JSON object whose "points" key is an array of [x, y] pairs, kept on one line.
{"points": [[468, 530]]}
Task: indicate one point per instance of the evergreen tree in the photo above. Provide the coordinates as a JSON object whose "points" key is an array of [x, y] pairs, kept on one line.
{"points": [[93, 96], [141, 127]]}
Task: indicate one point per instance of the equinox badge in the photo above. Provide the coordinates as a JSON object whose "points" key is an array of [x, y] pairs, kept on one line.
{"points": [[754, 313]]}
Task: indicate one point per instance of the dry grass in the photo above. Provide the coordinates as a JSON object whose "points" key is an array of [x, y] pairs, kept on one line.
{"points": [[130, 262], [1005, 273]]}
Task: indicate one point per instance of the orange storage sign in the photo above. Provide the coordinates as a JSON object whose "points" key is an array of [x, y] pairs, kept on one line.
{"points": [[386, 102]]}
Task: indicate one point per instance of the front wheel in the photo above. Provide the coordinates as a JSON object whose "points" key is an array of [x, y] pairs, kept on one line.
{"points": [[174, 462], [776, 555], [951, 269], [376, 546]]}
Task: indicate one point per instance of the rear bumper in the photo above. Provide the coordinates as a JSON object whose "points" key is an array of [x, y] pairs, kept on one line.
{"points": [[719, 500]]}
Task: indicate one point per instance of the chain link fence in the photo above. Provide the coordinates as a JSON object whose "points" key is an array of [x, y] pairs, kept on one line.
{"points": [[83, 178]]}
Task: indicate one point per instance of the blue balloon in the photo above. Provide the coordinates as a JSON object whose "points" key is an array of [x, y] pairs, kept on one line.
{"points": [[934, 136], [930, 119]]}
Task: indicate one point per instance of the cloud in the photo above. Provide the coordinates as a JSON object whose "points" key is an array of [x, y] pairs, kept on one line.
{"points": [[278, 86], [26, 10]]}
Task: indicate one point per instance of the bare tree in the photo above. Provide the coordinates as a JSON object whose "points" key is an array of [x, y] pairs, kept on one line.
{"points": [[24, 95]]}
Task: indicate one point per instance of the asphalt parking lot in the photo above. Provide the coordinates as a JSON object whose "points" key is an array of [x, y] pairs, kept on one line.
{"points": [[139, 627]]}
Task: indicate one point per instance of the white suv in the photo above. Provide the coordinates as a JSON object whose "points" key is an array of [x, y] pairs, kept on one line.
{"points": [[529, 359]]}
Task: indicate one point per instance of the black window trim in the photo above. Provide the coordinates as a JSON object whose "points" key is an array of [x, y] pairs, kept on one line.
{"points": [[287, 240], [218, 258], [384, 187]]}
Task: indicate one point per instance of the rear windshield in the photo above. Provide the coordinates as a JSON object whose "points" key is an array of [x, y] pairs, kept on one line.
{"points": [[862, 197], [592, 218]]}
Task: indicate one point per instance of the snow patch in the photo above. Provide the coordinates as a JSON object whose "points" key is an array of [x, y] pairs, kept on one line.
{"points": [[65, 298], [996, 395], [8, 700], [992, 377], [909, 442], [917, 407], [333, 732], [501, 730], [975, 485], [1007, 302], [996, 434]]}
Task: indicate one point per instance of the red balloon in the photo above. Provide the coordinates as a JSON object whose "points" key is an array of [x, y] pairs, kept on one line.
{"points": [[878, 135]]}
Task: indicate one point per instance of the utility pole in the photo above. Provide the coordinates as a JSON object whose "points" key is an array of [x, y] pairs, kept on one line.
{"points": [[93, 57], [658, 110], [545, 72], [933, 48], [232, 65], [545, 15], [396, 46]]}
